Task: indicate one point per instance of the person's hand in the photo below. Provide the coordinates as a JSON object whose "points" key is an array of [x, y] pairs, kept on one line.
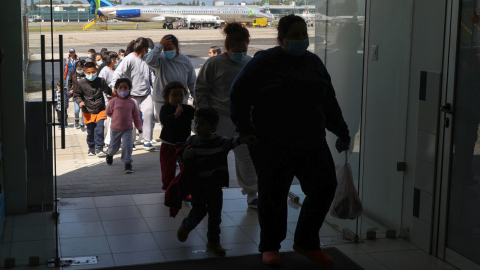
{"points": [[114, 93], [179, 110], [82, 104], [166, 40], [346, 145], [188, 153], [140, 131], [249, 139], [71, 92]]}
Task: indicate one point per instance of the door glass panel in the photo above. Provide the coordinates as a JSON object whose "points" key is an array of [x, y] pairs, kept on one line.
{"points": [[339, 36], [463, 231]]}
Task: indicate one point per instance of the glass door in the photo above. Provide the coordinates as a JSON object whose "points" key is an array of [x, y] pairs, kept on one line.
{"points": [[461, 233]]}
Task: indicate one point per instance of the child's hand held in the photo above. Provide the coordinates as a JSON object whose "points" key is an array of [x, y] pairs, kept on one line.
{"points": [[188, 153], [82, 104]]}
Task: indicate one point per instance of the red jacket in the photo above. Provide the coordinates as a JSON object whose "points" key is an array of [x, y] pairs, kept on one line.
{"points": [[180, 187]]}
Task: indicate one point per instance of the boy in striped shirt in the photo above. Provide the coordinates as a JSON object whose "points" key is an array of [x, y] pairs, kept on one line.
{"points": [[209, 153]]}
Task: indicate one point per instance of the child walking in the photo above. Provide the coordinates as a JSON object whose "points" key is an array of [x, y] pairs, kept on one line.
{"points": [[176, 119], [58, 106], [89, 96], [208, 152], [122, 110]]}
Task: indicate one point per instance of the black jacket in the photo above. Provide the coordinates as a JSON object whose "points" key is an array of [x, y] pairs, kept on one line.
{"points": [[91, 92], [176, 130], [73, 80]]}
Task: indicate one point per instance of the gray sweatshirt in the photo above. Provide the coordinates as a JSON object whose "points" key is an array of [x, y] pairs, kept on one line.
{"points": [[137, 71], [215, 80], [179, 69]]}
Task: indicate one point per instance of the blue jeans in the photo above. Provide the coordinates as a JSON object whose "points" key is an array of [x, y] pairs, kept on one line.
{"points": [[95, 134], [77, 112]]}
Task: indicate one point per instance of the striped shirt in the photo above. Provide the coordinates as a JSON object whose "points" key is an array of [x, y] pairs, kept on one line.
{"points": [[211, 158]]}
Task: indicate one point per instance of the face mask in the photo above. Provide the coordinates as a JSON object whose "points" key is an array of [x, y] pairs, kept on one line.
{"points": [[89, 56], [91, 77], [121, 57], [80, 71], [116, 65], [99, 63], [238, 57], [123, 93], [170, 54], [298, 47]]}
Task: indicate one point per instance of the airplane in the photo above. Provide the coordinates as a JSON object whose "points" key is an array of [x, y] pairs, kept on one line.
{"points": [[170, 14]]}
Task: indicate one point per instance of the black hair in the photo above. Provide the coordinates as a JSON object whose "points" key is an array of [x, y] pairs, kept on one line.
{"points": [[209, 114], [216, 49], [59, 83], [150, 43], [90, 65], [95, 57], [103, 50], [92, 51], [121, 51], [286, 23], [173, 85], [137, 45], [235, 32], [110, 56], [174, 41], [80, 64], [123, 80]]}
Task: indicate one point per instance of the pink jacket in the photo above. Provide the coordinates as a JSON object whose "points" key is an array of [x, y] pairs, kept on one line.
{"points": [[123, 112]]}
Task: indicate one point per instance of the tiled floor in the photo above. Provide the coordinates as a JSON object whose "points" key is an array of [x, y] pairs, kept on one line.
{"points": [[137, 229]]}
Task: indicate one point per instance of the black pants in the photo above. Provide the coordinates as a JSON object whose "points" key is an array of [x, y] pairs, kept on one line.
{"points": [[59, 116], [206, 200], [276, 165]]}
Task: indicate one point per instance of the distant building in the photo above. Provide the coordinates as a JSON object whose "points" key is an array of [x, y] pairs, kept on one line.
{"points": [[219, 3], [63, 12]]}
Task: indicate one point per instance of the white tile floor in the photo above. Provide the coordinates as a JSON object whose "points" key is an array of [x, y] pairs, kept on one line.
{"points": [[137, 229]]}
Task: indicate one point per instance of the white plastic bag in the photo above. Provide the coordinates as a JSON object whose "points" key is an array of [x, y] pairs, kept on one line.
{"points": [[346, 204]]}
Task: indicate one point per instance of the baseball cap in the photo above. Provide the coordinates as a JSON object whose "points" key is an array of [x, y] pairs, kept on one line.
{"points": [[72, 50]]}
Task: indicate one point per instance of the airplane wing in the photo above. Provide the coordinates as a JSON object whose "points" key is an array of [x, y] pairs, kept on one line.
{"points": [[169, 18]]}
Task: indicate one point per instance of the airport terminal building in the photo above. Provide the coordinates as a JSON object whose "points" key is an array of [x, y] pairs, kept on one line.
{"points": [[406, 75]]}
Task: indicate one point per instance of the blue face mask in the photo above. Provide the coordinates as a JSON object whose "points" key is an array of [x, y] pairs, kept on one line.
{"points": [[91, 77], [170, 54], [238, 57], [89, 56], [116, 65], [121, 57], [80, 71], [298, 47], [99, 63]]}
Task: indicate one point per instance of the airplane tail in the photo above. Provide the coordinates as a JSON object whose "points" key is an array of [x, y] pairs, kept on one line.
{"points": [[308, 10], [96, 4]]}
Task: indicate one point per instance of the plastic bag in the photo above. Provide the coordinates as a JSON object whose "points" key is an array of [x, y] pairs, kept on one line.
{"points": [[346, 204]]}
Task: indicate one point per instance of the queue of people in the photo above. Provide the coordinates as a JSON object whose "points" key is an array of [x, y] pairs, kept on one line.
{"points": [[239, 104]]}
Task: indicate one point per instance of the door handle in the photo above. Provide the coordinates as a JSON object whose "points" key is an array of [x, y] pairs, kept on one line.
{"points": [[447, 108]]}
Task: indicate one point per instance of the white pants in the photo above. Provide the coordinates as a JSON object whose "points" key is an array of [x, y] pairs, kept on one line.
{"points": [[246, 174], [145, 104], [106, 130]]}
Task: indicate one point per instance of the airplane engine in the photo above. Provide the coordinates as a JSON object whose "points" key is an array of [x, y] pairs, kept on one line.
{"points": [[128, 13]]}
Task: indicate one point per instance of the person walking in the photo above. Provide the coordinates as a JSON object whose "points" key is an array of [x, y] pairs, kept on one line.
{"points": [[70, 66], [170, 65], [134, 68], [289, 87], [212, 89], [76, 76], [111, 64]]}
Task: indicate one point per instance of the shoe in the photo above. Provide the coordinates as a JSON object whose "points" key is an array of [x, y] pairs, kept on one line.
{"points": [[128, 168], [149, 146], [91, 151], [153, 141], [216, 249], [99, 152], [319, 257], [182, 233], [189, 198], [82, 127], [134, 148], [59, 127], [271, 257], [77, 123], [253, 204], [109, 159]]}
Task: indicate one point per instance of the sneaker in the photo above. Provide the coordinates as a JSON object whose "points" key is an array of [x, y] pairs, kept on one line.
{"points": [[271, 257], [153, 141], [189, 198], [182, 233], [319, 257], [149, 147], [134, 148], [128, 168], [59, 127], [82, 127], [253, 204], [99, 152], [109, 159], [77, 123], [91, 151], [216, 249]]}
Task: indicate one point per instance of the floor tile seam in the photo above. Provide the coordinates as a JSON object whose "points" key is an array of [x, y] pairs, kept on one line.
{"points": [[246, 234], [387, 251], [370, 257], [151, 233]]}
